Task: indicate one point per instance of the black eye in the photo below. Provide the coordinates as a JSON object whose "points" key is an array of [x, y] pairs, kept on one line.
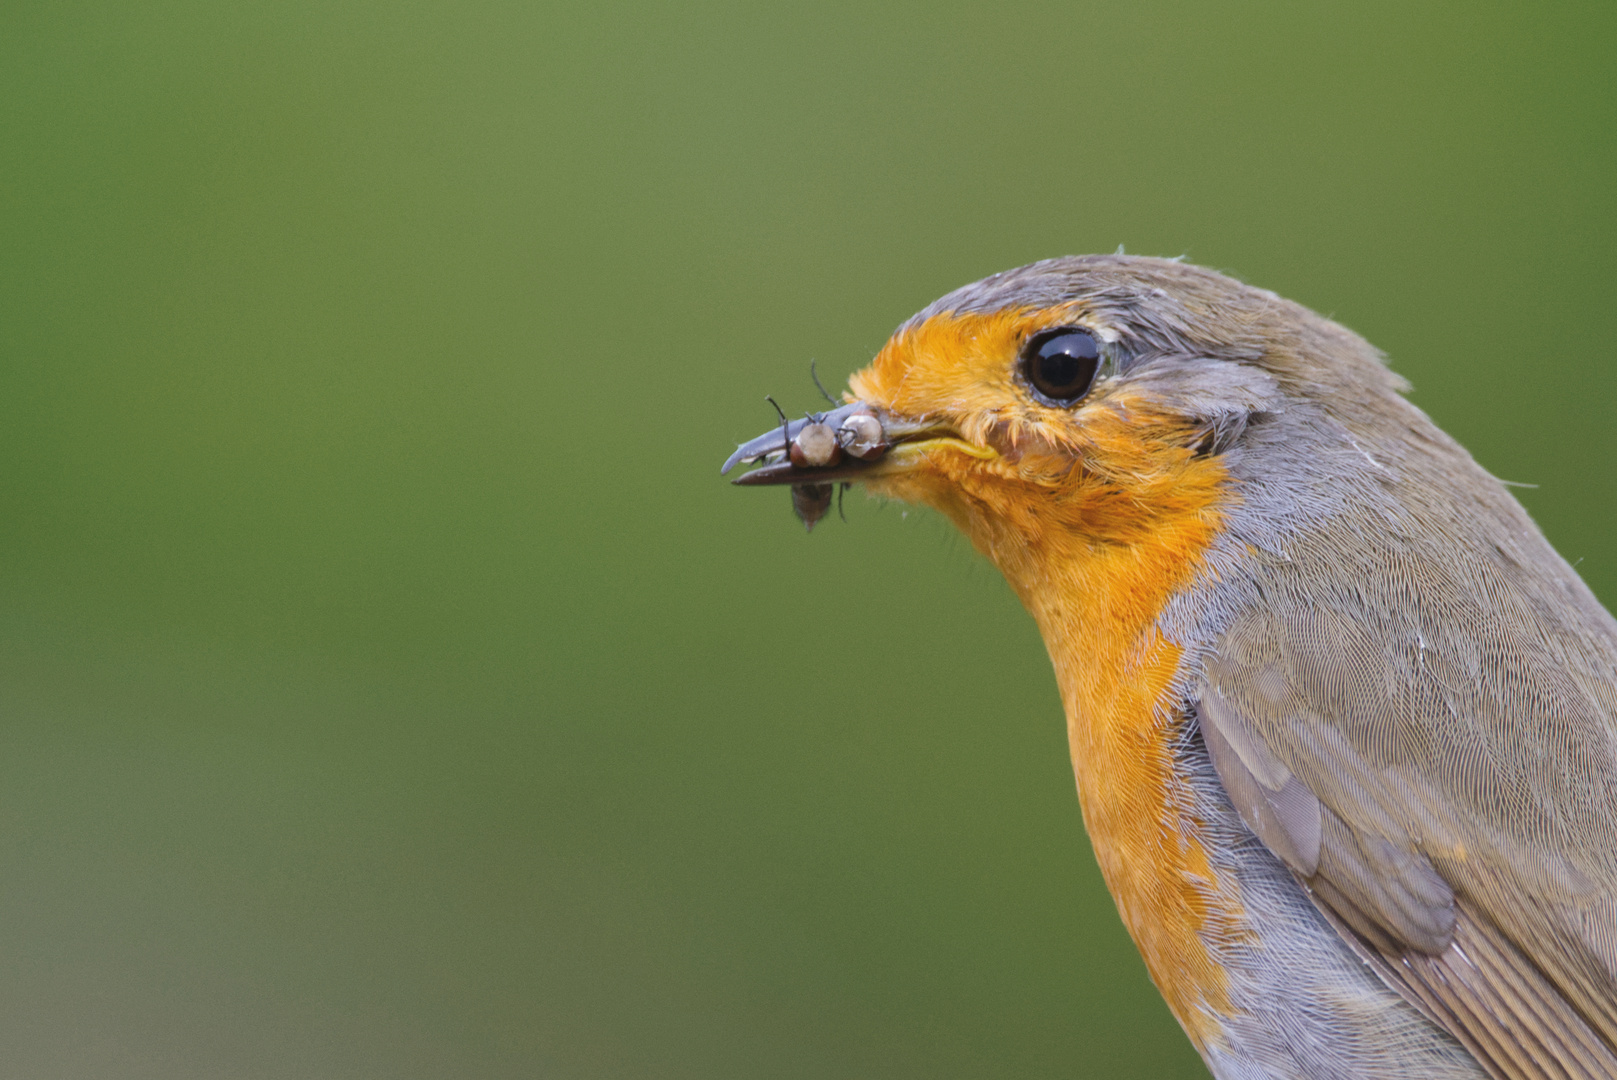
{"points": [[1061, 364]]}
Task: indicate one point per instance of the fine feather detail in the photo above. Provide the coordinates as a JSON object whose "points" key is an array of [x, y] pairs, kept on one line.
{"points": [[1485, 992]]}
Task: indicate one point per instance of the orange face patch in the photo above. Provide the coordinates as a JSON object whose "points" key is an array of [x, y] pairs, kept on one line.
{"points": [[1096, 515]]}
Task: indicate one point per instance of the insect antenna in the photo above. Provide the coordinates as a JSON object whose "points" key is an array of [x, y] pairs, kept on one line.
{"points": [[785, 429], [826, 394]]}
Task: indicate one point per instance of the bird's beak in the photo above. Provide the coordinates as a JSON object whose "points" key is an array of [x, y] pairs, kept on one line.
{"points": [[857, 441]]}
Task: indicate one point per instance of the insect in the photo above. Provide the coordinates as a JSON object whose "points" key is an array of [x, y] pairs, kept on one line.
{"points": [[821, 447]]}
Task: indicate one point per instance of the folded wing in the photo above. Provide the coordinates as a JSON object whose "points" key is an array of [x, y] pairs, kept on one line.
{"points": [[1431, 748]]}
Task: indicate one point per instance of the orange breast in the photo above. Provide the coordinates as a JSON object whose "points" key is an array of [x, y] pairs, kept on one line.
{"points": [[1096, 580], [1095, 535], [1096, 588], [1115, 672]]}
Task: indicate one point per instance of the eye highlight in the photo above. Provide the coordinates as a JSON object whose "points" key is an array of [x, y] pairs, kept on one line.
{"points": [[1060, 364]]}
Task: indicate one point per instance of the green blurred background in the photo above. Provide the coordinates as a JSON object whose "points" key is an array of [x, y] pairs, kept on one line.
{"points": [[391, 687]]}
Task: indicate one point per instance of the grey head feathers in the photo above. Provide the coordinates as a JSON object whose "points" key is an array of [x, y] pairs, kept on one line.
{"points": [[1167, 308]]}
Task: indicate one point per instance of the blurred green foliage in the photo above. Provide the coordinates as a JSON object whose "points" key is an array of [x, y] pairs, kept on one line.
{"points": [[391, 686]]}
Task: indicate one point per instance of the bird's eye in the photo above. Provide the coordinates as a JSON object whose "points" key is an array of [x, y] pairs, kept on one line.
{"points": [[1061, 364]]}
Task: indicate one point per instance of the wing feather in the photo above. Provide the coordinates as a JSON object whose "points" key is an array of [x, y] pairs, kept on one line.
{"points": [[1436, 761]]}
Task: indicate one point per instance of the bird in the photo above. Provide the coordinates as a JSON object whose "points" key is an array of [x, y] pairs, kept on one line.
{"points": [[1343, 723]]}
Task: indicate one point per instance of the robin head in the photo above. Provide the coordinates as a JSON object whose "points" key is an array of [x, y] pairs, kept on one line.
{"points": [[1082, 402]]}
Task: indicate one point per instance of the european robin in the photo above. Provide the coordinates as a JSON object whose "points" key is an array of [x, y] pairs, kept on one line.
{"points": [[1344, 724]]}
